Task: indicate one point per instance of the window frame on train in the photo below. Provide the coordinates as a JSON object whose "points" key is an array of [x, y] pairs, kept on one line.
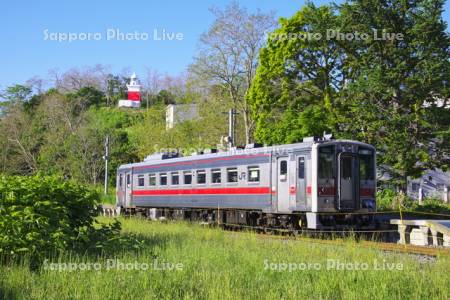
{"points": [[174, 175], [331, 164], [283, 167], [369, 171], [251, 169], [215, 172], [187, 173], [301, 167], [150, 181], [141, 181], [161, 182], [200, 174], [232, 170]]}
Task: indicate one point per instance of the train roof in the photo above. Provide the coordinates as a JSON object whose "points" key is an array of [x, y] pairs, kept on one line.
{"points": [[275, 149]]}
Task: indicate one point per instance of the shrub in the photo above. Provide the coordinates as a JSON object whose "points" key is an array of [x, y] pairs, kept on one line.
{"points": [[41, 216], [385, 199], [432, 205], [389, 200]]}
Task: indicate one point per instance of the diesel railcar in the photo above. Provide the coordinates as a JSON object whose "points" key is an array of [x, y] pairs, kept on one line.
{"points": [[316, 184]]}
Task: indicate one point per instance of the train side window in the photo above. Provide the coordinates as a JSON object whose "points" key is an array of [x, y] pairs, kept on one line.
{"points": [[283, 167], [141, 180], [163, 179], [175, 178], [201, 176], [253, 174], [216, 176], [301, 168], [120, 180], [152, 179], [232, 175], [128, 179], [187, 177]]}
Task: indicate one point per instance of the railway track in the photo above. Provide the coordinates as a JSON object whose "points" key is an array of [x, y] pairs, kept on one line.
{"points": [[322, 237], [370, 239]]}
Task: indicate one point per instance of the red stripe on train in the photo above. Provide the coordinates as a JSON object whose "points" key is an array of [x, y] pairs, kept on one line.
{"points": [[367, 192], [330, 191], [326, 191], [205, 191]]}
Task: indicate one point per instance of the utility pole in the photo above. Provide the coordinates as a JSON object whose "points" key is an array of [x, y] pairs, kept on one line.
{"points": [[231, 127], [106, 163], [108, 92]]}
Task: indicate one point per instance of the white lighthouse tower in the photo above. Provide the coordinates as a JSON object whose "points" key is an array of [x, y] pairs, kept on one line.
{"points": [[133, 93]]}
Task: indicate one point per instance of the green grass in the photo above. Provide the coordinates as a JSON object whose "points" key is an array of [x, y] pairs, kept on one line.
{"points": [[227, 265]]}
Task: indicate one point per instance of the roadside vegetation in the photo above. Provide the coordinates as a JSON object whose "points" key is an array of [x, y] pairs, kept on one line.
{"points": [[389, 200], [43, 216], [216, 264]]}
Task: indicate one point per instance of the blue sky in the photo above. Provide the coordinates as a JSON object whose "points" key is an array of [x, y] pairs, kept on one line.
{"points": [[25, 53]]}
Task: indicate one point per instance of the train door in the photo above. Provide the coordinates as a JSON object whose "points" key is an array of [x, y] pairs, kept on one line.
{"points": [[120, 190], [128, 188], [301, 182], [283, 184], [347, 181]]}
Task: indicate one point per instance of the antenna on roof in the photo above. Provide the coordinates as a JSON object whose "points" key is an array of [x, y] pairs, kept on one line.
{"points": [[327, 136]]}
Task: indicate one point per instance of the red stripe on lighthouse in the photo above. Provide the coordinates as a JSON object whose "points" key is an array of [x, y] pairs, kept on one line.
{"points": [[135, 96]]}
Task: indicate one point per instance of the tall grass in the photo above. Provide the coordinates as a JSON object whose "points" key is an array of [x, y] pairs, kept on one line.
{"points": [[227, 265]]}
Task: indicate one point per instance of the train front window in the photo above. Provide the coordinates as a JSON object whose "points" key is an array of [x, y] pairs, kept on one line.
{"points": [[366, 164], [326, 162]]}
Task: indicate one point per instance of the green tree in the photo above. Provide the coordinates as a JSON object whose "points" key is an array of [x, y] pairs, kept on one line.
{"points": [[391, 92], [16, 93], [397, 94], [299, 76]]}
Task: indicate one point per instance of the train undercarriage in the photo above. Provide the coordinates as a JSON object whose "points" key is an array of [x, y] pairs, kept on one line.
{"points": [[258, 219]]}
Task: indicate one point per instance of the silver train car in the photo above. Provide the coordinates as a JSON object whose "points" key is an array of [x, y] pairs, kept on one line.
{"points": [[316, 184]]}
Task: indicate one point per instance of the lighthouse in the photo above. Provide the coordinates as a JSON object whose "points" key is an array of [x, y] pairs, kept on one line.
{"points": [[133, 93]]}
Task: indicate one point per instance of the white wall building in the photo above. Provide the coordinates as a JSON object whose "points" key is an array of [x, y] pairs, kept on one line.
{"points": [[433, 184], [177, 113]]}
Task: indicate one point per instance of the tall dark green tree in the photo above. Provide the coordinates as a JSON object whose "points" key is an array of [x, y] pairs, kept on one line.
{"points": [[298, 77], [396, 95], [388, 90]]}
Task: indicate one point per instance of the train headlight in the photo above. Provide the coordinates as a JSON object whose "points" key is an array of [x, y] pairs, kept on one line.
{"points": [[368, 203]]}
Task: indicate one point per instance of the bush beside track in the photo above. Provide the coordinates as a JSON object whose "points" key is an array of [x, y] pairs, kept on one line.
{"points": [[42, 216]]}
